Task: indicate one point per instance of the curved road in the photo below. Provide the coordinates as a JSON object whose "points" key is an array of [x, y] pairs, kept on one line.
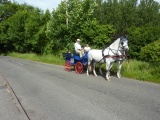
{"points": [[48, 92]]}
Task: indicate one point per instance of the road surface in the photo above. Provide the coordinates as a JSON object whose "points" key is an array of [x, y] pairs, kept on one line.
{"points": [[48, 92]]}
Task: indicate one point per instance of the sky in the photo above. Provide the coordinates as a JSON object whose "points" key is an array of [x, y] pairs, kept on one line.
{"points": [[42, 4], [45, 4]]}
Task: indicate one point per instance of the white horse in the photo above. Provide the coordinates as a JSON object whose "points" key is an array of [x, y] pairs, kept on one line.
{"points": [[115, 52]]}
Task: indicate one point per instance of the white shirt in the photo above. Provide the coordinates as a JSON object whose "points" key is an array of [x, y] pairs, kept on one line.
{"points": [[77, 46], [87, 49]]}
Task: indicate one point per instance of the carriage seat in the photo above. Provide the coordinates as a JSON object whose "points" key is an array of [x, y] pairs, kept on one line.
{"points": [[74, 53]]}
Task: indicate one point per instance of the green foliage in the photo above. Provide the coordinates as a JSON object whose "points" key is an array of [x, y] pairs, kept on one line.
{"points": [[16, 30], [151, 52], [102, 35], [35, 31], [123, 14], [81, 21], [57, 30], [148, 11], [7, 9], [81, 24], [24, 28], [141, 36]]}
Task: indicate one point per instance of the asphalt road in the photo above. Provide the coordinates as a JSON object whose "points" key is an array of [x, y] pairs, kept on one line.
{"points": [[48, 92]]}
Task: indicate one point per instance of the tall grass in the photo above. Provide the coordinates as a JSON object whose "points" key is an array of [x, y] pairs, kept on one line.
{"points": [[139, 70], [51, 59]]}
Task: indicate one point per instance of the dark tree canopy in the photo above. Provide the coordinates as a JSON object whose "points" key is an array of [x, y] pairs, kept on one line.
{"points": [[24, 28]]}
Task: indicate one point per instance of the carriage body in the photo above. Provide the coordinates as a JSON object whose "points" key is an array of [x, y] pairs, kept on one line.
{"points": [[75, 62]]}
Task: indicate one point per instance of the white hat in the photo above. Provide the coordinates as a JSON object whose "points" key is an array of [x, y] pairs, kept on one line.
{"points": [[78, 40]]}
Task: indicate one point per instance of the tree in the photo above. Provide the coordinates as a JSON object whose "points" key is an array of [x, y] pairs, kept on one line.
{"points": [[35, 31], [7, 9], [16, 31], [57, 30], [82, 24], [41, 34], [148, 13], [24, 31], [140, 37]]}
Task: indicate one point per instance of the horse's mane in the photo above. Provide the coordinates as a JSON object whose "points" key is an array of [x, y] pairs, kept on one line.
{"points": [[115, 44]]}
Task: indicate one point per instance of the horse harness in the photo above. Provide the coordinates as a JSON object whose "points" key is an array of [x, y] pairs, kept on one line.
{"points": [[115, 56]]}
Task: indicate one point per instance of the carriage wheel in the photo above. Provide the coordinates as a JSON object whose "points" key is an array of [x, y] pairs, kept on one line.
{"points": [[67, 65], [79, 67]]}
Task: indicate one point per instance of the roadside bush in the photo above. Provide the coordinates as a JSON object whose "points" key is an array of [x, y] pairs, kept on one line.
{"points": [[151, 52]]}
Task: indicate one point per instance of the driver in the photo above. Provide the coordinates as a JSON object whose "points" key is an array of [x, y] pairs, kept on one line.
{"points": [[78, 49]]}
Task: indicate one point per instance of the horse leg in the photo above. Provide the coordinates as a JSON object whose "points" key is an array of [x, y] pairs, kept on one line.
{"points": [[94, 66], [119, 65], [100, 70], [88, 70], [108, 67], [111, 64], [107, 71]]}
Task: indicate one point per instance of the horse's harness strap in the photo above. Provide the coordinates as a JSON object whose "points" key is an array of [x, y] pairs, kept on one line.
{"points": [[115, 56], [103, 56], [112, 56], [103, 52]]}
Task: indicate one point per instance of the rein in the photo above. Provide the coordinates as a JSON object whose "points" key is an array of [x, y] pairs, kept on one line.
{"points": [[115, 56]]}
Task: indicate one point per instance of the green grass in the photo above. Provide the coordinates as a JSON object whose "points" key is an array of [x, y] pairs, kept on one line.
{"points": [[139, 70], [51, 59]]}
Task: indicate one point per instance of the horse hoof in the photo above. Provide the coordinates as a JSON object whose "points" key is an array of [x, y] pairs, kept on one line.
{"points": [[118, 76], [107, 79], [95, 75]]}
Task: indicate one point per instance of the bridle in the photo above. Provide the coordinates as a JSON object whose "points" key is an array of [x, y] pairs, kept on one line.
{"points": [[116, 56]]}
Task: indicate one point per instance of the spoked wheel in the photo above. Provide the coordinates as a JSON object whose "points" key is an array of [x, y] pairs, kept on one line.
{"points": [[79, 67], [67, 65]]}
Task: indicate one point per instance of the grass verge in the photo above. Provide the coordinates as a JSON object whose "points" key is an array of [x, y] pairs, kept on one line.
{"points": [[51, 59], [140, 70]]}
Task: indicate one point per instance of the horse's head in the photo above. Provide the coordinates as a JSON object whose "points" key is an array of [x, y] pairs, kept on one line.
{"points": [[124, 43]]}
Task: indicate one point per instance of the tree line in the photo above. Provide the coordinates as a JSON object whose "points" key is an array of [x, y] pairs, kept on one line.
{"points": [[24, 28]]}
